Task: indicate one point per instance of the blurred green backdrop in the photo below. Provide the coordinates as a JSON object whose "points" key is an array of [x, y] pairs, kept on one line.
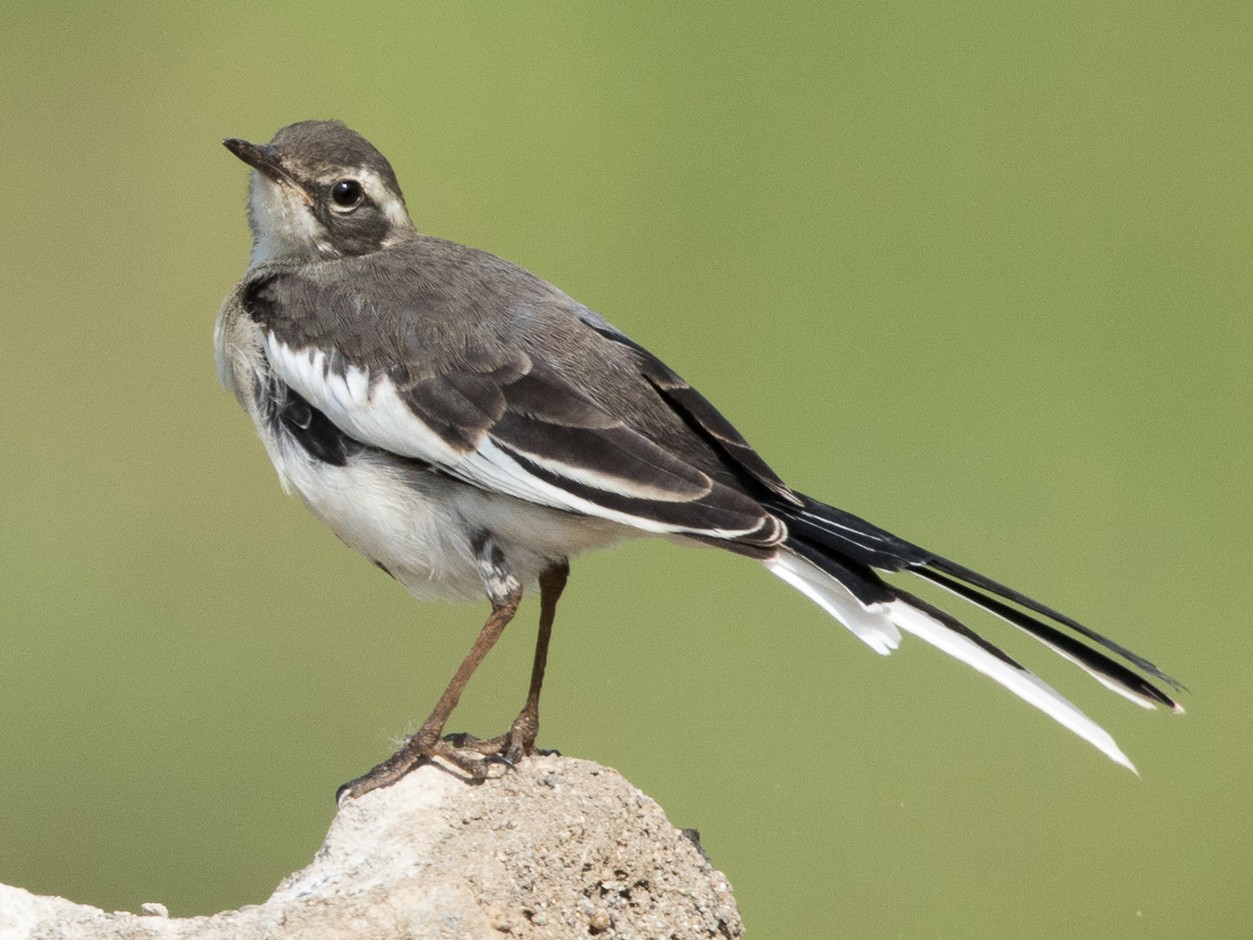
{"points": [[979, 273]]}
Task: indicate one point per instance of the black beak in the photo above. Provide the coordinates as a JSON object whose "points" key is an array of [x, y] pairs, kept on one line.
{"points": [[263, 158], [268, 161]]}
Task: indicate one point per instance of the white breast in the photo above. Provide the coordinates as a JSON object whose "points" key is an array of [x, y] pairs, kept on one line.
{"points": [[420, 525]]}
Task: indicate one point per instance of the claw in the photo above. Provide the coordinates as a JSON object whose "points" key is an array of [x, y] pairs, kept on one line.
{"points": [[343, 794], [509, 762]]}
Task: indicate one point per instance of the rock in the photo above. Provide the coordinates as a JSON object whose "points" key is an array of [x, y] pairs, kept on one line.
{"points": [[559, 848]]}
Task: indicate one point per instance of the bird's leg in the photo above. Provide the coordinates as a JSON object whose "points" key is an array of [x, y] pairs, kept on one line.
{"points": [[505, 594], [519, 740]]}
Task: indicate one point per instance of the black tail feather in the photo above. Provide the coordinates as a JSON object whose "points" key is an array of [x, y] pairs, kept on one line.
{"points": [[864, 583], [980, 581], [957, 626], [849, 535], [1093, 660], [848, 548]]}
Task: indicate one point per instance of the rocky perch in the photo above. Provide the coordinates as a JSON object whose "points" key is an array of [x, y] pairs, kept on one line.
{"points": [[559, 848]]}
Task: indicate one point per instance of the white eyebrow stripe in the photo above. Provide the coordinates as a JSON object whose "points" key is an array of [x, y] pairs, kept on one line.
{"points": [[391, 205]]}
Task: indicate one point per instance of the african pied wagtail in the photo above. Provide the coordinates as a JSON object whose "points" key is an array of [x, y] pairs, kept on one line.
{"points": [[469, 427]]}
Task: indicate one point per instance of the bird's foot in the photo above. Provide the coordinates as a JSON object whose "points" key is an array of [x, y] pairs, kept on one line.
{"points": [[471, 755], [461, 751], [508, 748]]}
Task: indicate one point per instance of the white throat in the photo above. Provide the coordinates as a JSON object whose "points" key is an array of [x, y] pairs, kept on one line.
{"points": [[283, 225]]}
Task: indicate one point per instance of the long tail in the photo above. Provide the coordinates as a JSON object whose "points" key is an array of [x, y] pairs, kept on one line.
{"points": [[833, 557]]}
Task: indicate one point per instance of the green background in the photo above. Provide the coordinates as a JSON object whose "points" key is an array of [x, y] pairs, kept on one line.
{"points": [[977, 272]]}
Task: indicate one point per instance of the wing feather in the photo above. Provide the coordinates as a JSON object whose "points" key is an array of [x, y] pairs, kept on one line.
{"points": [[526, 433]]}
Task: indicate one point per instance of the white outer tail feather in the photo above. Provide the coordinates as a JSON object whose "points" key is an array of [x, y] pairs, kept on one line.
{"points": [[868, 624], [877, 625]]}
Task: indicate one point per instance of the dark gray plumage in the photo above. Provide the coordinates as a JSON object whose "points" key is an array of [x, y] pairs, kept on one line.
{"points": [[527, 366], [468, 427]]}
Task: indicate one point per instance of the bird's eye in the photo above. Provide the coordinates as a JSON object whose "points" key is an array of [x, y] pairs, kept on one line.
{"points": [[347, 194]]}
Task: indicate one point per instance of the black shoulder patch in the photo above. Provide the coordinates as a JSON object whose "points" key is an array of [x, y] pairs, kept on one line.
{"points": [[294, 417]]}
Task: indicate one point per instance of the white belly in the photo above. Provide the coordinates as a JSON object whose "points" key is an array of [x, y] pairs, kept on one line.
{"points": [[419, 525]]}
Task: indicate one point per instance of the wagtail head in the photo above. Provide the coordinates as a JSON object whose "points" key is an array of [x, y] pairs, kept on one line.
{"points": [[320, 190]]}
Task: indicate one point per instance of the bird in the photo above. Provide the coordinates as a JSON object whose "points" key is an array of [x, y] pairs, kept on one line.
{"points": [[469, 427]]}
